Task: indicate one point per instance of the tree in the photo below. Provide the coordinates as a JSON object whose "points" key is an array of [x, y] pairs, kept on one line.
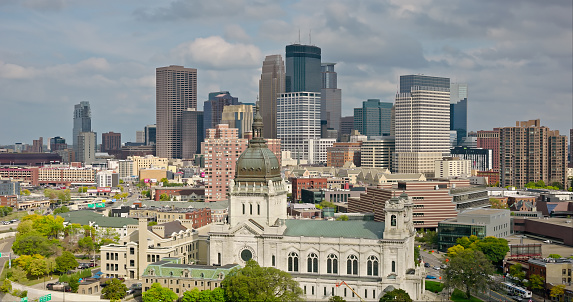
{"points": [[158, 294], [66, 262], [82, 190], [74, 283], [164, 197], [396, 295], [255, 283], [336, 299], [557, 291], [6, 286], [25, 192], [152, 223], [115, 290], [455, 250], [469, 269], [62, 209], [516, 271], [217, 295], [536, 282], [497, 203], [342, 218], [191, 295], [38, 267], [17, 275], [86, 244], [493, 248], [327, 204], [34, 243], [50, 193], [554, 256]]}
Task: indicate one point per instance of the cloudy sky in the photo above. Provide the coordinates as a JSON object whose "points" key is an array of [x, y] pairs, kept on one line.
{"points": [[516, 56]]}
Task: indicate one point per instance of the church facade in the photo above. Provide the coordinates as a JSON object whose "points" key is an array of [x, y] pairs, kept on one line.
{"points": [[351, 259]]}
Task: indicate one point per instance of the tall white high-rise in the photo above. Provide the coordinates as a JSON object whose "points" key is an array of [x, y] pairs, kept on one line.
{"points": [[271, 84], [422, 128], [298, 120]]}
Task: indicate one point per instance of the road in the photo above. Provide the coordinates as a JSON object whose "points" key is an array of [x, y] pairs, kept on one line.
{"points": [[6, 227], [5, 248]]}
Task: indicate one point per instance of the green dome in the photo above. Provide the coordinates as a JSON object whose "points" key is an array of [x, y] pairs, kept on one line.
{"points": [[257, 163]]}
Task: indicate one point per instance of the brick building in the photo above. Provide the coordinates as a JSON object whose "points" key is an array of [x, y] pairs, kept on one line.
{"points": [[340, 153], [110, 141], [222, 148], [306, 183], [490, 140]]}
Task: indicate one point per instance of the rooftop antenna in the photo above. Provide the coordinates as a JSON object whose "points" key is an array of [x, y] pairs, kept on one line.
{"points": [[299, 36], [309, 37]]}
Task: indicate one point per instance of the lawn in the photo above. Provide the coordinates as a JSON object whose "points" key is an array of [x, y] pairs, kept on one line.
{"points": [[434, 286], [14, 215], [459, 296]]}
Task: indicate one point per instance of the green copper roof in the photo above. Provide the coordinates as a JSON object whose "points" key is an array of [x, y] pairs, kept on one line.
{"points": [[335, 229], [166, 268], [84, 217]]}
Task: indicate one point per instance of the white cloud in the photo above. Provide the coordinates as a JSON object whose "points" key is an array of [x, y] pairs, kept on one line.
{"points": [[235, 32], [216, 53]]}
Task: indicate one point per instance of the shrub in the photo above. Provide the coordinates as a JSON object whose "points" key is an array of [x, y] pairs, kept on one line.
{"points": [[6, 286], [434, 286]]}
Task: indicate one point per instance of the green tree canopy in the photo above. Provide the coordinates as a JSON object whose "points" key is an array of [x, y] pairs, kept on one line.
{"points": [[191, 295], [557, 291], [151, 223], [255, 283], [554, 256], [62, 209], [493, 248], [396, 295], [516, 271], [342, 218], [34, 243], [74, 283], [66, 262], [327, 204], [38, 267], [115, 290], [86, 244], [6, 286], [164, 197], [536, 282], [158, 294], [336, 299], [469, 269], [497, 203]]}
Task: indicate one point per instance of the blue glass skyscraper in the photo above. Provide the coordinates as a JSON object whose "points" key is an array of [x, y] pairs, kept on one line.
{"points": [[303, 71], [374, 118], [459, 110]]}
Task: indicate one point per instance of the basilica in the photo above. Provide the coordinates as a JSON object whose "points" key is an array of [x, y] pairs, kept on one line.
{"points": [[352, 259]]}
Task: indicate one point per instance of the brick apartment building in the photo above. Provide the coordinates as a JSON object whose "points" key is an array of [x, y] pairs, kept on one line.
{"points": [[306, 183], [222, 147]]}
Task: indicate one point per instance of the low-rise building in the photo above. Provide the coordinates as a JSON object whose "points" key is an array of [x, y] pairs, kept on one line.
{"points": [[98, 221], [145, 244], [219, 209], [452, 167], [179, 278], [9, 187], [189, 217], [179, 193], [478, 222], [555, 229]]}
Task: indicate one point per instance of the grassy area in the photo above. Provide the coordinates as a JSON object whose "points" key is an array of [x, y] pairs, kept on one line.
{"points": [[434, 286], [459, 296], [14, 215]]}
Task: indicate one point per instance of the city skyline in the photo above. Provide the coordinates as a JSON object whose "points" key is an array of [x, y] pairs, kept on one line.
{"points": [[57, 54]]}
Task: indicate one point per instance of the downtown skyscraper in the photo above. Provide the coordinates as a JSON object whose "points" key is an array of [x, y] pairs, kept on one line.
{"points": [[459, 110], [298, 109], [330, 97], [176, 91], [82, 121], [422, 123], [271, 85]]}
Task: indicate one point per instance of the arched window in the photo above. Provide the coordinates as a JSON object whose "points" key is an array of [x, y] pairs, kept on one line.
{"points": [[251, 208], [393, 266], [372, 266], [243, 209], [312, 263], [293, 262], [332, 264], [258, 209], [393, 220], [352, 265]]}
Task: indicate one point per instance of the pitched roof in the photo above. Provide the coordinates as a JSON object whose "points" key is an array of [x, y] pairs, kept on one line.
{"points": [[215, 205], [334, 229], [168, 228], [85, 217], [167, 268]]}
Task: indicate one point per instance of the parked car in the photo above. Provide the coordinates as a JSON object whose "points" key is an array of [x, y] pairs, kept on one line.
{"points": [[437, 268], [83, 265], [430, 277], [59, 286], [426, 264]]}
